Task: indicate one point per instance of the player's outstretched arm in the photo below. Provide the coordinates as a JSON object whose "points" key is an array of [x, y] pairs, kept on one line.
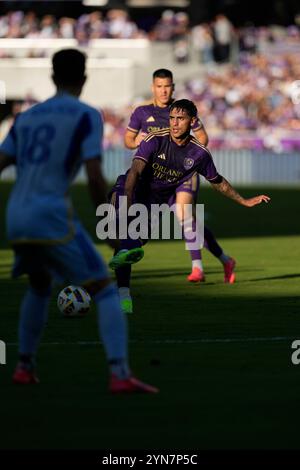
{"points": [[135, 171], [5, 161], [225, 188]]}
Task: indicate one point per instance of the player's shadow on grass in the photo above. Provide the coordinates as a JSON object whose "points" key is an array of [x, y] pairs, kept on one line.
{"points": [[271, 278], [155, 273]]}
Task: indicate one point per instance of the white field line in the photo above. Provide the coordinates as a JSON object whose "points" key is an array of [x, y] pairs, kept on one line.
{"points": [[173, 341]]}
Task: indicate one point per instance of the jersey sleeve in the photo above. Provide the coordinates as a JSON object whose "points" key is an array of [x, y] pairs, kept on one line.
{"points": [[9, 144], [135, 121], [92, 133], [207, 167], [146, 149]]}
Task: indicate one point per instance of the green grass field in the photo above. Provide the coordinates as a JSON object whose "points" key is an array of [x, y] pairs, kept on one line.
{"points": [[220, 354]]}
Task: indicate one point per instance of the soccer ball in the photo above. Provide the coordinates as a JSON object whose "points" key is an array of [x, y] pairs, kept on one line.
{"points": [[73, 301]]}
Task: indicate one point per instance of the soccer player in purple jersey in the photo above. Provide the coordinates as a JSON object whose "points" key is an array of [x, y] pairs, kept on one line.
{"points": [[152, 179], [153, 117]]}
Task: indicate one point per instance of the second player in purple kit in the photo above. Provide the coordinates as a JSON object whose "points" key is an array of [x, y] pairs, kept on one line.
{"points": [[152, 117]]}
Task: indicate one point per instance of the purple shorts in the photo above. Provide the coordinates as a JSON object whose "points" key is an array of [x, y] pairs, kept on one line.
{"points": [[190, 186]]}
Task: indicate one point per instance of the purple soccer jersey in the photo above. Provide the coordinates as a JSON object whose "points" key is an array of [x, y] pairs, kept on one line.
{"points": [[151, 118], [170, 165]]}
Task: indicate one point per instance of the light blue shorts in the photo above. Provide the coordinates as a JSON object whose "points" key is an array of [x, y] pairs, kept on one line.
{"points": [[75, 262]]}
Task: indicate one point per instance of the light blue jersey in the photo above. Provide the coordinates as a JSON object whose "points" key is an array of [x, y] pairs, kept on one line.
{"points": [[49, 142]]}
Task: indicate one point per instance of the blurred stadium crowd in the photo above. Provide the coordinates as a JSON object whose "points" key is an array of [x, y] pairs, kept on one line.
{"points": [[116, 24], [247, 106], [244, 99], [212, 40]]}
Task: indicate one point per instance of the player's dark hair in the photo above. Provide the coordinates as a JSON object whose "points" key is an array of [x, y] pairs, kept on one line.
{"points": [[185, 105], [163, 73], [68, 66]]}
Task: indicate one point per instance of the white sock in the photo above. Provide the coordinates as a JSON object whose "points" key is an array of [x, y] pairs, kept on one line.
{"points": [[33, 318], [224, 258], [197, 263], [113, 330], [124, 293]]}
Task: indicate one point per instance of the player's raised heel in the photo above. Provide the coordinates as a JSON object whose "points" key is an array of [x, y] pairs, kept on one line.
{"points": [[197, 275], [124, 257], [130, 385], [229, 275], [24, 377]]}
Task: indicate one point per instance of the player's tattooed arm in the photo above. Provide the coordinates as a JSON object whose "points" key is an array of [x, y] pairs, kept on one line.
{"points": [[225, 188], [134, 173]]}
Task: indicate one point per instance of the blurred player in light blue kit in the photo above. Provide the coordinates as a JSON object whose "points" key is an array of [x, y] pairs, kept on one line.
{"points": [[48, 143]]}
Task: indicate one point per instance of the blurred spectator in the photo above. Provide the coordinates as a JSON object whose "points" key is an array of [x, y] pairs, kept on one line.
{"points": [[181, 37], [66, 27], [119, 25], [202, 42], [97, 26], [223, 35], [164, 29], [181, 26], [181, 51], [248, 39], [29, 24], [48, 27]]}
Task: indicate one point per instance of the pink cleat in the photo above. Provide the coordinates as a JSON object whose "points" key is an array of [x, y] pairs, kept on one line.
{"points": [[196, 275], [130, 385], [229, 275], [24, 376]]}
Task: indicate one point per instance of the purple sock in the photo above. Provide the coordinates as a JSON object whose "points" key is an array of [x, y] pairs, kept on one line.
{"points": [[195, 254], [211, 243], [123, 276]]}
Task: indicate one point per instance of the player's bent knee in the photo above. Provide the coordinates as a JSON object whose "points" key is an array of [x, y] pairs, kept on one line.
{"points": [[183, 197], [41, 283]]}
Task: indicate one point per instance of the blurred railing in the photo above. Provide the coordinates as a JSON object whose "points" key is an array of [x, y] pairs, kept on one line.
{"points": [[258, 167], [137, 50], [243, 167]]}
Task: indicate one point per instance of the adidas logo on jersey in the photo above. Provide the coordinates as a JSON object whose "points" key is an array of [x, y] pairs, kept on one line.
{"points": [[162, 156], [150, 119]]}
